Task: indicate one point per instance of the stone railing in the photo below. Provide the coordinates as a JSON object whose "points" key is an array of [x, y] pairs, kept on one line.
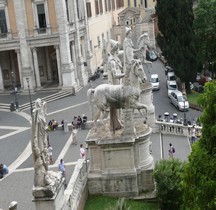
{"points": [[176, 129], [76, 193]]}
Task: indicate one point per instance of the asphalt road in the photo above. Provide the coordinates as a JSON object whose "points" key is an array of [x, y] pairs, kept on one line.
{"points": [[15, 135]]}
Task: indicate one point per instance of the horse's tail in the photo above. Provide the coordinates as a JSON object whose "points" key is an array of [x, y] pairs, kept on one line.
{"points": [[90, 93]]}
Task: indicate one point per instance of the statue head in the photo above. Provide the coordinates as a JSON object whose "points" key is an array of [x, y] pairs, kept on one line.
{"points": [[127, 30], [114, 45]]}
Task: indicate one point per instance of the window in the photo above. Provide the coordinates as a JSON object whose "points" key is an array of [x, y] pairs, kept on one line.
{"points": [[88, 7], [113, 4], [101, 7], [135, 3], [96, 7], [119, 3], [146, 4], [41, 18], [106, 8], [67, 12], [109, 5], [3, 23]]}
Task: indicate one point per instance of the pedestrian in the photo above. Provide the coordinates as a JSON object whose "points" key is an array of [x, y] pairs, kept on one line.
{"points": [[74, 133], [171, 150], [50, 150], [74, 122], [3, 170], [193, 134], [82, 151], [79, 122], [61, 167]]}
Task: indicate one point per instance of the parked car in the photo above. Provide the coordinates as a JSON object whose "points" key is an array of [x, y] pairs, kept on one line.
{"points": [[171, 87], [198, 88], [179, 100], [151, 55], [170, 77], [168, 69], [155, 82]]}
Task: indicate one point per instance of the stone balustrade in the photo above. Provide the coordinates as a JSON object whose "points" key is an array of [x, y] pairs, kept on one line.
{"points": [[77, 191], [176, 129]]}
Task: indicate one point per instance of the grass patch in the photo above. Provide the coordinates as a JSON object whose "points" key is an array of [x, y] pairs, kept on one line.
{"points": [[192, 97], [103, 202]]}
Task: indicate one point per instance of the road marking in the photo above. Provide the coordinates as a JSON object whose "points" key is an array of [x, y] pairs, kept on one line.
{"points": [[61, 110], [50, 167], [64, 150], [15, 130]]}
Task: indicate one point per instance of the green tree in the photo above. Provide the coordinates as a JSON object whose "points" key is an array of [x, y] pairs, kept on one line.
{"points": [[168, 177], [200, 172], [176, 37], [205, 28]]}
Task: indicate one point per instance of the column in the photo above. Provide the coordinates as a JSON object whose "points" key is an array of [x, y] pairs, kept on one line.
{"points": [[80, 61], [19, 67], [67, 68], [25, 54], [1, 81], [36, 68], [49, 74], [58, 64], [74, 61], [89, 54]]}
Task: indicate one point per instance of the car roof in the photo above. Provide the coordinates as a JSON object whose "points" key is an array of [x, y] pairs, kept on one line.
{"points": [[172, 82], [154, 75], [177, 92], [170, 73]]}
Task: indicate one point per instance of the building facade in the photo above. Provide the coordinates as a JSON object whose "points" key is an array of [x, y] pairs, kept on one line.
{"points": [[45, 41]]}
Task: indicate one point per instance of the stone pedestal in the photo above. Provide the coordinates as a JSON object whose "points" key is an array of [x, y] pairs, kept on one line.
{"points": [[146, 97], [121, 165], [55, 202]]}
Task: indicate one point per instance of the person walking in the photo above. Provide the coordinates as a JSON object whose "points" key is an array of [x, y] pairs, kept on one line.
{"points": [[61, 167], [82, 151], [3, 170], [193, 135], [74, 133], [50, 150], [171, 150]]}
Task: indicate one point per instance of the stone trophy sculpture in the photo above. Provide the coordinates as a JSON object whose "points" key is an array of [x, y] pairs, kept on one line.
{"points": [[45, 182]]}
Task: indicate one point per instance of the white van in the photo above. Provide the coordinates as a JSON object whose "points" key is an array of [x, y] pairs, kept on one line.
{"points": [[170, 77], [155, 82], [171, 87]]}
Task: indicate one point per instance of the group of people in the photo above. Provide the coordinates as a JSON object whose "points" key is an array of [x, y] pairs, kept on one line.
{"points": [[3, 170], [79, 122], [52, 125]]}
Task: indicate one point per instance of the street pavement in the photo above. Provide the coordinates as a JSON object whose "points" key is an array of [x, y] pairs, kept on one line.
{"points": [[15, 135]]}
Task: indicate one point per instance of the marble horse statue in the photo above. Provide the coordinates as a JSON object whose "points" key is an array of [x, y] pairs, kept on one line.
{"points": [[143, 41], [119, 96]]}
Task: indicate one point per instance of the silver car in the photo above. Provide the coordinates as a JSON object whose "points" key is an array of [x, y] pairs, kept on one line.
{"points": [[171, 87], [179, 100]]}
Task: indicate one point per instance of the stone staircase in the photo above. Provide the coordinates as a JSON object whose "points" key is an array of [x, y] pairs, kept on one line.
{"points": [[51, 97]]}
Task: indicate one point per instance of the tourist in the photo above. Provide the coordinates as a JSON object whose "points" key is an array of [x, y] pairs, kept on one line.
{"points": [[61, 167], [171, 150], [74, 133], [193, 134], [54, 124], [3, 170], [74, 122], [50, 150], [82, 151], [79, 122]]}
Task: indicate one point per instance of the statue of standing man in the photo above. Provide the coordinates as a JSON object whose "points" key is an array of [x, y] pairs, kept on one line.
{"points": [[114, 67]]}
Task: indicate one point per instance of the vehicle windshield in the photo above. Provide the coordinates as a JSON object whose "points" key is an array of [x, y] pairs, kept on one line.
{"points": [[182, 98], [172, 87], [172, 78], [154, 80]]}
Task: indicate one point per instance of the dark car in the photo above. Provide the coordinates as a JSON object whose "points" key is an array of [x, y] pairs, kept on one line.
{"points": [[198, 88], [168, 69], [151, 55]]}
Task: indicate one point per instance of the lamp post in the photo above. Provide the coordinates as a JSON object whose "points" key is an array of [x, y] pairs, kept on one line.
{"points": [[30, 100], [14, 91], [185, 119]]}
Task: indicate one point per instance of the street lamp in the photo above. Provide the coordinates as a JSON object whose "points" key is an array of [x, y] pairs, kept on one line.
{"points": [[185, 119], [30, 100], [15, 91]]}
